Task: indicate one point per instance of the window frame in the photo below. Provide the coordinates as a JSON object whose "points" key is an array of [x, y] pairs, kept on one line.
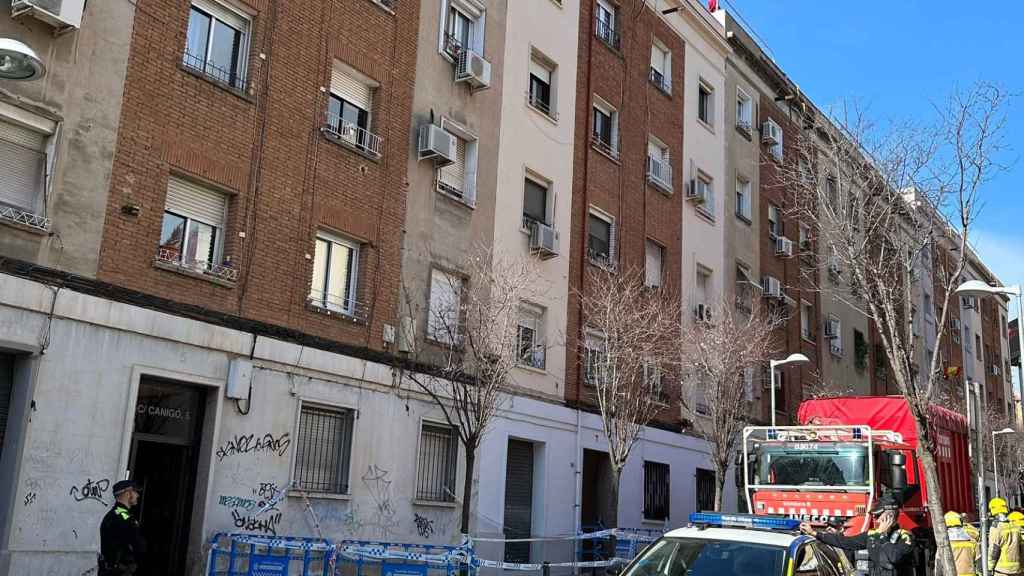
{"points": [[660, 256], [705, 181], [471, 145], [608, 260], [452, 471], [611, 146], [744, 121], [807, 321], [476, 14], [215, 251], [352, 284], [744, 191], [541, 182], [835, 345], [447, 338], [594, 344], [664, 159], [351, 415], [662, 78], [657, 491], [238, 77], [607, 30], [549, 108], [537, 314], [706, 104], [744, 288], [33, 216], [776, 150], [774, 222]]}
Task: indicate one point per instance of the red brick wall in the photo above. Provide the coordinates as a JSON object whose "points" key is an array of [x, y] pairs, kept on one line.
{"points": [[619, 187], [993, 353], [284, 177], [798, 286], [951, 348]]}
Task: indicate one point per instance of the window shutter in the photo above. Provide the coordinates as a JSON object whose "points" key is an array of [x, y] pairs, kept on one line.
{"points": [[613, 250], [349, 88], [223, 13], [540, 71], [454, 174], [653, 264], [194, 201], [469, 171], [22, 166]]}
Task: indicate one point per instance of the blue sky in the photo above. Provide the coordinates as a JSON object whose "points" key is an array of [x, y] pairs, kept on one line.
{"points": [[897, 58]]}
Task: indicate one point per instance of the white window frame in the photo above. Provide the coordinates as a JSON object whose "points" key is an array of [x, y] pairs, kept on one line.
{"points": [[613, 113], [471, 145], [744, 199], [744, 110], [744, 287], [706, 183], [531, 313], [549, 200], [353, 280], [35, 215], [439, 333], [774, 221], [805, 235], [594, 342], [212, 8], [660, 52], [806, 320], [451, 497], [613, 20], [476, 13], [654, 251], [709, 122], [214, 265], [542, 61], [664, 158], [776, 150], [702, 294], [835, 345], [612, 252]]}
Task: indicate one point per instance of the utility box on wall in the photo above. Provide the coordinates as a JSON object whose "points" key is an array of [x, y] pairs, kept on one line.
{"points": [[239, 379]]}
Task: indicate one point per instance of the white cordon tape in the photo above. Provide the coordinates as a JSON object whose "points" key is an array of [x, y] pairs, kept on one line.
{"points": [[379, 553], [539, 567], [280, 542], [618, 532]]}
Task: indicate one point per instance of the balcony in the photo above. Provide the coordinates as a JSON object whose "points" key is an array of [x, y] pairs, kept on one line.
{"points": [[542, 105], [229, 78], [172, 259], [27, 219], [607, 33], [605, 144], [352, 136], [659, 173], [329, 304], [659, 80], [452, 46]]}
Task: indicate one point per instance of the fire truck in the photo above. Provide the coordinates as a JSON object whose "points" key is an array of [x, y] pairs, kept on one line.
{"points": [[845, 453]]}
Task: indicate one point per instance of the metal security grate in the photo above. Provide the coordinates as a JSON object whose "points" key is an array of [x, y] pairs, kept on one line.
{"points": [[324, 450], [435, 480], [705, 489], [656, 491]]}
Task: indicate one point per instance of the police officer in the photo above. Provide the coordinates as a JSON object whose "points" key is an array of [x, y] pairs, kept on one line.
{"points": [[890, 548], [965, 546], [1003, 541], [121, 543]]}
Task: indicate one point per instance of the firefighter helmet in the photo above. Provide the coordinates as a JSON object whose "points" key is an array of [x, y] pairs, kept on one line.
{"points": [[997, 506], [953, 519]]}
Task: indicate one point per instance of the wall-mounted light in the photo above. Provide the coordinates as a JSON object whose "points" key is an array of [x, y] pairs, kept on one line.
{"points": [[19, 62]]}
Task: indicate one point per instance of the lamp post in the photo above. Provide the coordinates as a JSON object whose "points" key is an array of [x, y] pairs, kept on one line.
{"points": [[975, 393], [19, 62], [772, 364], [995, 461]]}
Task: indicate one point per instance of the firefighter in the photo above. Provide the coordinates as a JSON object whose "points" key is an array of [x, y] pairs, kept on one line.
{"points": [[1017, 518], [890, 548], [965, 546], [1003, 540], [121, 542]]}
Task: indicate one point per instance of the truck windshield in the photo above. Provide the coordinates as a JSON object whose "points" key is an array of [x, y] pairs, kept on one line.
{"points": [[706, 557], [812, 464]]}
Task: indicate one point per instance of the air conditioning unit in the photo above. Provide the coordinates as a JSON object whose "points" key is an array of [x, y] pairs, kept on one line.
{"points": [[695, 193], [831, 329], [436, 143], [543, 240], [770, 133], [471, 67], [702, 312], [783, 246], [772, 287], [64, 15]]}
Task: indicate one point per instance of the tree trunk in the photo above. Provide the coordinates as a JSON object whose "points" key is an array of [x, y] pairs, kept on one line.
{"points": [[944, 555], [614, 508], [719, 490], [467, 489]]}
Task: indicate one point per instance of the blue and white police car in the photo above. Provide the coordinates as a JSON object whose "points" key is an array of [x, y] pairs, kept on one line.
{"points": [[727, 544]]}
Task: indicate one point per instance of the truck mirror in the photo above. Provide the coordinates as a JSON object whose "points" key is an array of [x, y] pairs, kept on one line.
{"points": [[897, 470]]}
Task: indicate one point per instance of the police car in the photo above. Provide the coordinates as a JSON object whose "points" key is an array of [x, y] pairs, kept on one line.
{"points": [[727, 544]]}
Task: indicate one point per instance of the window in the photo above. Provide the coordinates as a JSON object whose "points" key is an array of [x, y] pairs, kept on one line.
{"points": [[606, 128], [463, 28], [928, 310], [541, 95], [323, 454], [335, 274], [806, 320], [705, 489], [977, 346], [805, 236], [774, 222], [705, 191], [776, 149], [652, 380], [529, 336], [656, 491], [217, 43], [967, 339], [835, 336], [437, 463], [659, 164], [703, 293], [831, 192], [654, 263], [860, 350], [25, 140], [348, 110], [743, 199], [780, 391], [458, 179], [661, 67], [705, 103], [594, 358], [744, 288], [193, 226], [444, 315], [744, 111], [601, 239], [606, 24], [535, 202]]}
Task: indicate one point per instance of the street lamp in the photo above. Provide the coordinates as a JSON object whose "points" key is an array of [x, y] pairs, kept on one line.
{"points": [[979, 288], [792, 359], [995, 461], [19, 62]]}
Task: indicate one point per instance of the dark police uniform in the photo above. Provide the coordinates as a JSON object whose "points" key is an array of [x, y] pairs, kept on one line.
{"points": [[121, 543], [891, 553]]}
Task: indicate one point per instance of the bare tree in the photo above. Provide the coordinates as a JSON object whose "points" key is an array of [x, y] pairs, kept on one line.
{"points": [[878, 201], [472, 345], [627, 354], [719, 358]]}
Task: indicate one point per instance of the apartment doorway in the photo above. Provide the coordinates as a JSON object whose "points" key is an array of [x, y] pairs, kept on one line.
{"points": [[163, 462], [518, 500]]}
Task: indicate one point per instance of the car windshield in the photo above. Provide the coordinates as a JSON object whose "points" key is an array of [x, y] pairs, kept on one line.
{"points": [[819, 464], [707, 557]]}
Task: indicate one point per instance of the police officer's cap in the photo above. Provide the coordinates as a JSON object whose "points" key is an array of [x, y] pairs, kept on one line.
{"points": [[123, 485], [888, 501]]}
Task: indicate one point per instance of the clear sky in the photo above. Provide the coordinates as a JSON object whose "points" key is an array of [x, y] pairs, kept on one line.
{"points": [[897, 58]]}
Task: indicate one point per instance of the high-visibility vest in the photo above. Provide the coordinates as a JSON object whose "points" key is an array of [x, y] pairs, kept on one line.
{"points": [[1004, 548]]}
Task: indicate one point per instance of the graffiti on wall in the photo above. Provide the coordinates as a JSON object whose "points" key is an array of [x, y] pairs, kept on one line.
{"points": [[237, 502], [265, 524], [30, 498], [424, 525], [91, 489], [254, 444], [378, 483]]}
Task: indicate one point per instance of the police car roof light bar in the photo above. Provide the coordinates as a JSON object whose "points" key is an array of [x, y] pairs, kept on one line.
{"points": [[743, 521]]}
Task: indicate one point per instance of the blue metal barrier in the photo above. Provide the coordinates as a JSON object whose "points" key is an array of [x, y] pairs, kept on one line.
{"points": [[368, 558], [251, 555]]}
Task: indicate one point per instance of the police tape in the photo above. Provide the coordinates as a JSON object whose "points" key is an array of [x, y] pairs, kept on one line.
{"points": [[453, 555], [538, 567], [622, 533], [271, 542]]}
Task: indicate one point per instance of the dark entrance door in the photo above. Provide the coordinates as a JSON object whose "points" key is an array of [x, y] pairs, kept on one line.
{"points": [[168, 422], [518, 499]]}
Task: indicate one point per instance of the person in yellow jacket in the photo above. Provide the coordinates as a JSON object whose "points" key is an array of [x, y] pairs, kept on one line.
{"points": [[965, 545], [1003, 541], [1018, 520]]}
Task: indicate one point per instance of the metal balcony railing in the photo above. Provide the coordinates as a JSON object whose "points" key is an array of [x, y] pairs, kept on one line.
{"points": [[659, 80], [607, 34], [452, 46], [173, 257], [230, 78], [659, 173], [541, 105], [25, 218], [353, 136], [607, 146], [338, 303]]}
